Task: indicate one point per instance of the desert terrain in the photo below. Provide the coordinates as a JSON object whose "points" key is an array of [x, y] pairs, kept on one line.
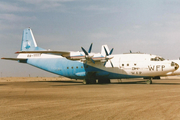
{"points": [[65, 99]]}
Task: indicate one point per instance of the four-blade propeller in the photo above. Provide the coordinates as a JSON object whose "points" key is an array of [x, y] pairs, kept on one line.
{"points": [[87, 56], [107, 58]]}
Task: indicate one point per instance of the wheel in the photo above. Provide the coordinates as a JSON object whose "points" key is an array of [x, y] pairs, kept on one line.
{"points": [[107, 81], [104, 81], [157, 77], [100, 81], [89, 81], [84, 82], [149, 81], [92, 81]]}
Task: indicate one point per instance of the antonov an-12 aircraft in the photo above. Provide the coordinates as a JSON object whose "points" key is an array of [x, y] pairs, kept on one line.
{"points": [[93, 66]]}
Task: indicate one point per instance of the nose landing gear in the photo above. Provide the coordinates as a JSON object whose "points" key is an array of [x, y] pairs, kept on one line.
{"points": [[149, 81]]}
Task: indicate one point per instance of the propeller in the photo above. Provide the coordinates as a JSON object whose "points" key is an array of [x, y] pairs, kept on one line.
{"points": [[107, 58], [87, 56]]}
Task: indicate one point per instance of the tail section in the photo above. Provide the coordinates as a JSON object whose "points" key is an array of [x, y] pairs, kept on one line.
{"points": [[29, 42]]}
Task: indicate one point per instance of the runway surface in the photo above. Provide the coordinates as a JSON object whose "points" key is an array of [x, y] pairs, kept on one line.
{"points": [[64, 99]]}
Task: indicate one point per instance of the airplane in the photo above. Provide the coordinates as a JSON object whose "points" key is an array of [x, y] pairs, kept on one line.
{"points": [[89, 66]]}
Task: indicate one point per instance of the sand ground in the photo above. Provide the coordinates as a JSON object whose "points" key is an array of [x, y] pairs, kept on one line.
{"points": [[65, 99]]}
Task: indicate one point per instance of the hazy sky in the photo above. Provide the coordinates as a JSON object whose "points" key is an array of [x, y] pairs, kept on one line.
{"points": [[149, 26]]}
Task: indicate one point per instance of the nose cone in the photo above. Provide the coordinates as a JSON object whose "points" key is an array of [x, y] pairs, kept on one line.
{"points": [[175, 65]]}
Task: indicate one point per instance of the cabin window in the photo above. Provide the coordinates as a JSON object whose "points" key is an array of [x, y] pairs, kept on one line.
{"points": [[122, 64], [134, 64], [77, 67], [72, 67], [81, 66], [127, 64], [67, 67]]}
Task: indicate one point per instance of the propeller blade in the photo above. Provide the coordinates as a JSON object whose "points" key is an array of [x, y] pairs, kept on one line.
{"points": [[111, 63], [106, 51], [104, 63], [90, 48], [92, 60], [84, 51], [111, 51]]}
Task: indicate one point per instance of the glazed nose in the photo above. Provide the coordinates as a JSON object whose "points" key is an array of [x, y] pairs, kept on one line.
{"points": [[176, 66]]}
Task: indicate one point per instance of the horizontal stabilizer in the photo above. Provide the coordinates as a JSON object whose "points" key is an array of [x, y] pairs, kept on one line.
{"points": [[21, 60], [14, 59]]}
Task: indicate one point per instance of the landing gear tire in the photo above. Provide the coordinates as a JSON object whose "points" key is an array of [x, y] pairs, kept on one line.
{"points": [[85, 82], [107, 81], [149, 81], [89, 81], [157, 77], [104, 81]]}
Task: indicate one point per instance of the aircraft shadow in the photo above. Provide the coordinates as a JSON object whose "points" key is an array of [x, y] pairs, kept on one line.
{"points": [[144, 82], [71, 83], [166, 83], [59, 81], [80, 83], [135, 82], [2, 84]]}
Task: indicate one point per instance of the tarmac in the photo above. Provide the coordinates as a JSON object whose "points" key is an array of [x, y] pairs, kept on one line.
{"points": [[66, 99]]}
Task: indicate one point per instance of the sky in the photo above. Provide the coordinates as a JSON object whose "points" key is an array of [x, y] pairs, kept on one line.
{"points": [[148, 26]]}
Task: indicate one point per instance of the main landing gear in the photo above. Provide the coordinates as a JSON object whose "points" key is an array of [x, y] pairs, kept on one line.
{"points": [[104, 81], [93, 81], [89, 81]]}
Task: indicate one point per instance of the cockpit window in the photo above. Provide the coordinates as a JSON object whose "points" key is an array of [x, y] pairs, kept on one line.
{"points": [[157, 59]]}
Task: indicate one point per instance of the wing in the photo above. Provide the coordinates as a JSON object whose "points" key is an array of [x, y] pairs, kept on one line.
{"points": [[62, 53], [68, 55]]}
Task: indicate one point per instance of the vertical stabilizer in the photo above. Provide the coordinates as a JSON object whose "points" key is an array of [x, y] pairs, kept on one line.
{"points": [[103, 51], [28, 41]]}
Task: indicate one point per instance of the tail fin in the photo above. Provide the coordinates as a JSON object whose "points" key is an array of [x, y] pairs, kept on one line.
{"points": [[29, 42], [103, 51]]}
